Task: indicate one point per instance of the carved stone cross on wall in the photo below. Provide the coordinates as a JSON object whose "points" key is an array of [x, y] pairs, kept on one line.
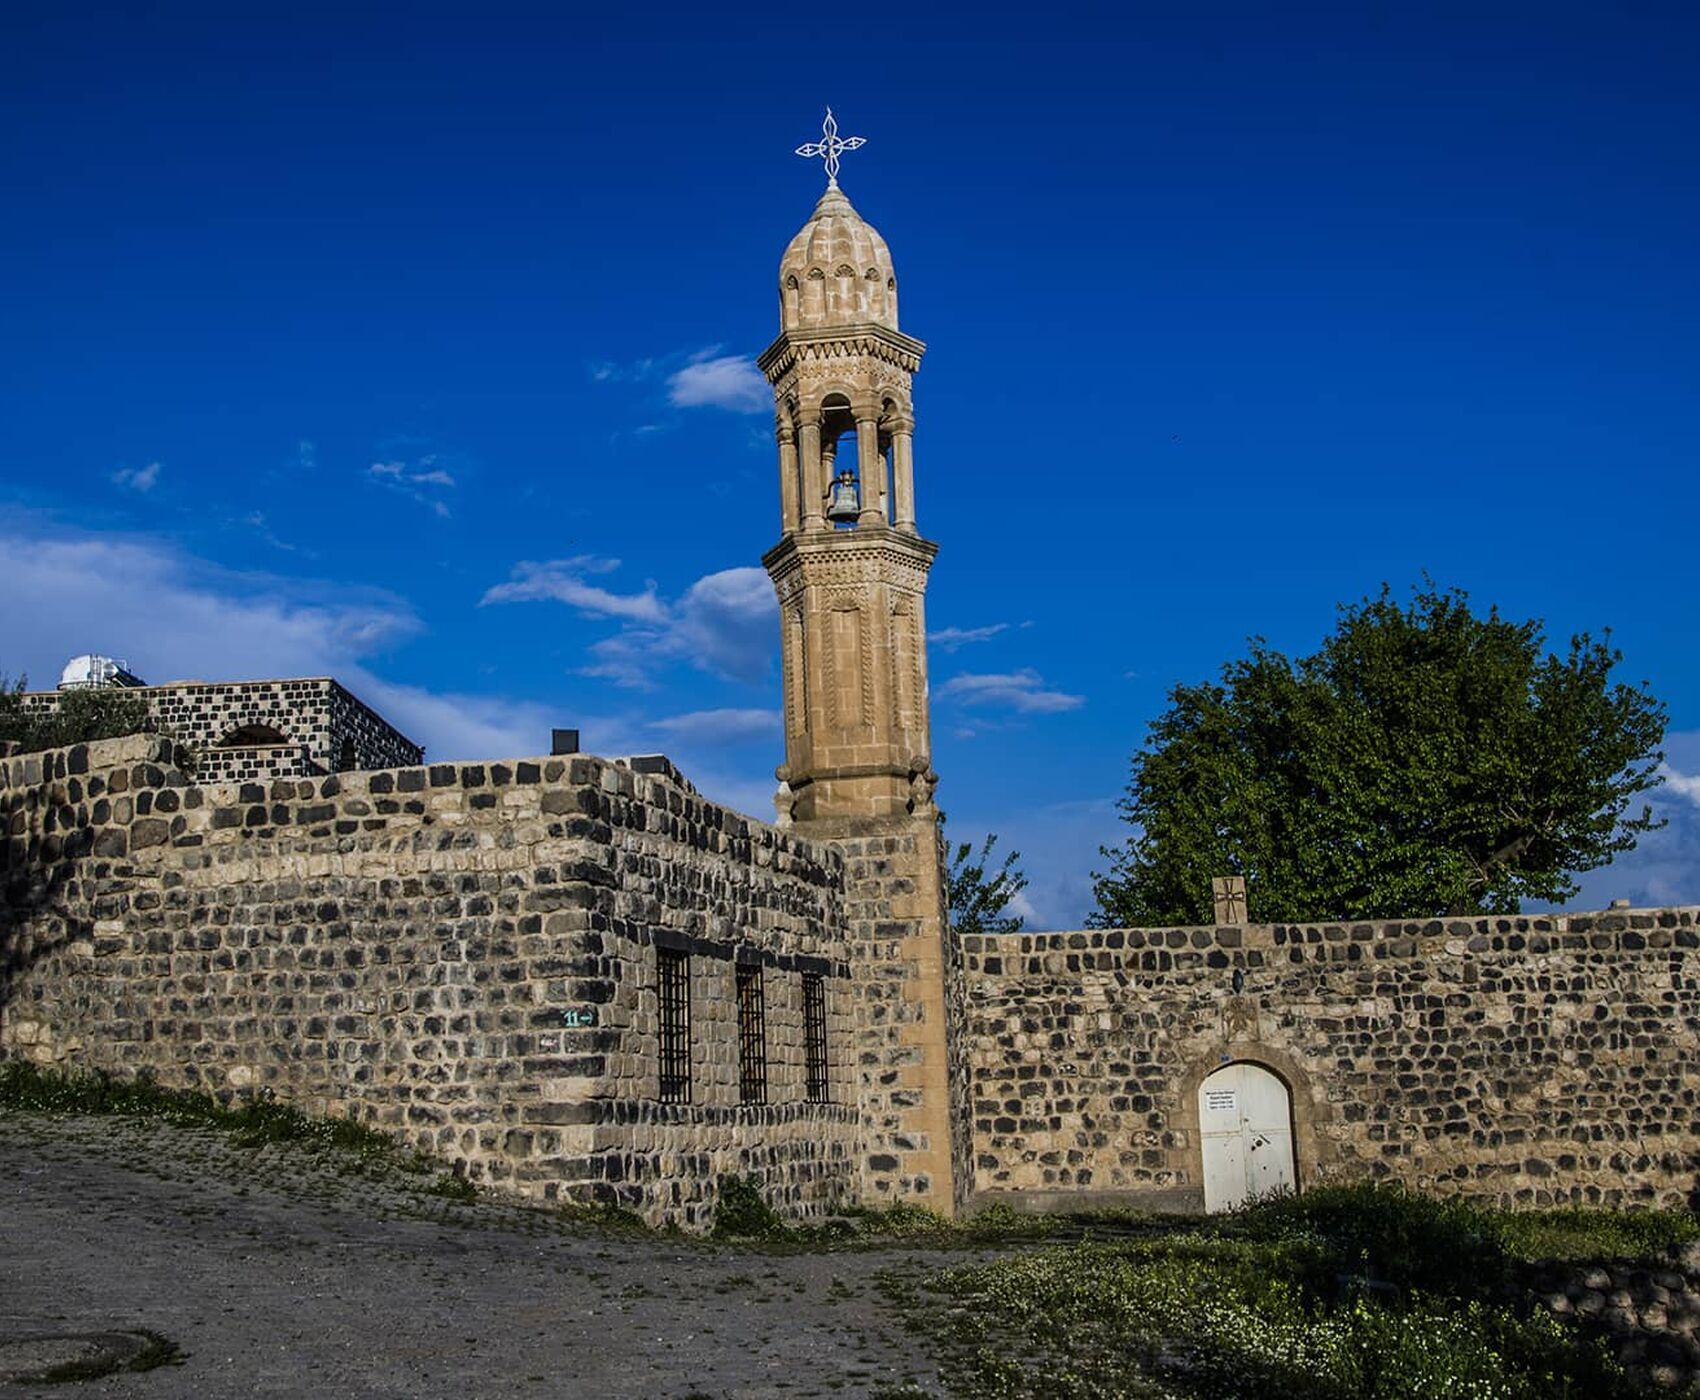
{"points": [[1229, 894]]}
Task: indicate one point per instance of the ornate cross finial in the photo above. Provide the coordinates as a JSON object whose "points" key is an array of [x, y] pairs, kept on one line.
{"points": [[830, 147]]}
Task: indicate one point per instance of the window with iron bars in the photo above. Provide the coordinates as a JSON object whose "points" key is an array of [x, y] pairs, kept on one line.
{"points": [[673, 982], [814, 1034], [752, 1037]]}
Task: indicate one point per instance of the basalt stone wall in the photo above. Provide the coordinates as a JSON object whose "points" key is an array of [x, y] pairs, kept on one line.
{"points": [[329, 729], [257, 764], [1526, 1061], [1648, 1313], [463, 954]]}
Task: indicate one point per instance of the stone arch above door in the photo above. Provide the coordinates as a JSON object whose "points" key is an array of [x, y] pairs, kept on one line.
{"points": [[1314, 1149]]}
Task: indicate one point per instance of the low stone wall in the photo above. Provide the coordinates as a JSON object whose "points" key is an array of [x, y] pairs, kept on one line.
{"points": [[1649, 1314], [463, 954], [1527, 1061]]}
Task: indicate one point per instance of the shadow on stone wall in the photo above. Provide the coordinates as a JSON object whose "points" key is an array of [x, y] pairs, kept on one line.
{"points": [[1648, 1314], [60, 852]]}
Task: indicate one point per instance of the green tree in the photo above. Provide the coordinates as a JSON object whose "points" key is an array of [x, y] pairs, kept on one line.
{"points": [[1424, 761], [978, 900], [81, 715]]}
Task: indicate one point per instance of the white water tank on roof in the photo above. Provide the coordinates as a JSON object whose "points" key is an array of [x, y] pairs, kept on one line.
{"points": [[93, 672]]}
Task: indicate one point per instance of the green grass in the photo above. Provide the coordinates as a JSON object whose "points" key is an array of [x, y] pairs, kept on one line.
{"points": [[250, 1121], [1345, 1293], [1574, 1233]]}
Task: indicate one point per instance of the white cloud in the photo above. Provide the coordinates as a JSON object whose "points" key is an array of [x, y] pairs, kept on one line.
{"points": [[137, 478], [720, 381], [1685, 785], [730, 726], [175, 618], [612, 372], [563, 581], [1023, 691], [951, 638], [722, 623], [417, 480]]}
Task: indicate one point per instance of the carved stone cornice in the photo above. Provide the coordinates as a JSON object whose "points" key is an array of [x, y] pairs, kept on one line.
{"points": [[867, 554], [865, 341]]}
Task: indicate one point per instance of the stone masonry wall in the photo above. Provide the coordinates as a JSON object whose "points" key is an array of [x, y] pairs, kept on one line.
{"points": [[1523, 1060], [1647, 1313], [462, 954], [907, 991], [328, 729]]}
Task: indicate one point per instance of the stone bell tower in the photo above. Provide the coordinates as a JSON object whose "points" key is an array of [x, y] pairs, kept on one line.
{"points": [[850, 570]]}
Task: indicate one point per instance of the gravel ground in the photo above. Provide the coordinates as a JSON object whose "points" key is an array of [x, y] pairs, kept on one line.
{"points": [[277, 1272]]}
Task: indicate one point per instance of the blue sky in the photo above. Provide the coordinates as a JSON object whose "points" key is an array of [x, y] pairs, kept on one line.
{"points": [[413, 344]]}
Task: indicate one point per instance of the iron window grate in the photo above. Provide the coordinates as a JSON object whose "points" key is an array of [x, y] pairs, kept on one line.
{"points": [[752, 1037], [673, 981], [814, 1034]]}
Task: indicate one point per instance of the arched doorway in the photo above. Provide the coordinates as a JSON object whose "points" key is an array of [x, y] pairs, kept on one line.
{"points": [[1245, 1124]]}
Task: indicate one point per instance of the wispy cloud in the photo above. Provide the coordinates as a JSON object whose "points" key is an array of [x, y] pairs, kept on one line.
{"points": [[176, 617], [613, 372], [565, 581], [953, 638], [720, 726], [713, 380], [706, 378], [1022, 691], [724, 622], [256, 521], [137, 478], [421, 480], [306, 455]]}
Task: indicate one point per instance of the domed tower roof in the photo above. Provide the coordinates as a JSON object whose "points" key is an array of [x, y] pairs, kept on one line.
{"points": [[837, 271]]}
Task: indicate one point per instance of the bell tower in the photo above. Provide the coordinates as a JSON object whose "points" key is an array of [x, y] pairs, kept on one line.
{"points": [[850, 570], [850, 567]]}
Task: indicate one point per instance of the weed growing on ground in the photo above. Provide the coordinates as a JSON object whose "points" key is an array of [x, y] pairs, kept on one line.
{"points": [[742, 1212], [1579, 1233], [1351, 1293]]}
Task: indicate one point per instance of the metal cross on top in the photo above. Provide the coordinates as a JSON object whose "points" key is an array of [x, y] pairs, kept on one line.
{"points": [[830, 147]]}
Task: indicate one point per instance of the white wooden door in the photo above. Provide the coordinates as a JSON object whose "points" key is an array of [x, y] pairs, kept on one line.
{"points": [[1245, 1124]]}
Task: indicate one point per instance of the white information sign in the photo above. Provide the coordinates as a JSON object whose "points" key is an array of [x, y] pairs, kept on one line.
{"points": [[1221, 1100]]}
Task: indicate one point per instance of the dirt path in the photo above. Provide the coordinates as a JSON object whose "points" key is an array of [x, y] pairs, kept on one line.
{"points": [[279, 1276]]}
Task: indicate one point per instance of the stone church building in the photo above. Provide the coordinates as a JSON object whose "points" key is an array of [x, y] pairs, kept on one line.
{"points": [[575, 977]]}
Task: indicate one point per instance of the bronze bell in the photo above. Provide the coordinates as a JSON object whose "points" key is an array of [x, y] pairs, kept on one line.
{"points": [[846, 506]]}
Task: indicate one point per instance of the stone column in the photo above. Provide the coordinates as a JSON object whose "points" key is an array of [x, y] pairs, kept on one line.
{"points": [[789, 515], [814, 517], [871, 469], [903, 474]]}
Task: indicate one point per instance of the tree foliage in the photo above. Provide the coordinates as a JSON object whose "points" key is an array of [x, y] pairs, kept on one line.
{"points": [[977, 899], [1424, 761], [80, 715]]}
